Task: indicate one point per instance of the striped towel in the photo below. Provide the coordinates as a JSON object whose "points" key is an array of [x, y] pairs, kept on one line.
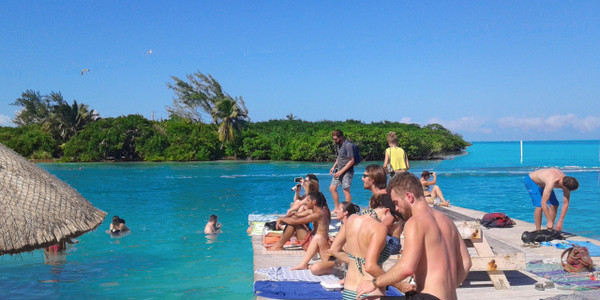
{"points": [[285, 274]]}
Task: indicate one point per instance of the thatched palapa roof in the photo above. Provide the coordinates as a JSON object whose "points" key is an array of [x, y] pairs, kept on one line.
{"points": [[37, 209]]}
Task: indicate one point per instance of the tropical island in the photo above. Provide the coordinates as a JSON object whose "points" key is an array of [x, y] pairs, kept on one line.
{"points": [[49, 128]]}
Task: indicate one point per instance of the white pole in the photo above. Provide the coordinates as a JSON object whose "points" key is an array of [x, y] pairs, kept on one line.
{"points": [[521, 151]]}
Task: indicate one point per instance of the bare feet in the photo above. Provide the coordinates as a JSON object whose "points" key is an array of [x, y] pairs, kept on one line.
{"points": [[274, 247], [445, 203], [300, 267]]}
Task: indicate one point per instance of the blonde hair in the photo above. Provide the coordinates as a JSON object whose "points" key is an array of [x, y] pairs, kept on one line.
{"points": [[392, 138]]}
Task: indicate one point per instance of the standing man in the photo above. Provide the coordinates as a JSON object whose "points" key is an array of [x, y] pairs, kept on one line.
{"points": [[434, 252], [540, 185], [343, 169]]}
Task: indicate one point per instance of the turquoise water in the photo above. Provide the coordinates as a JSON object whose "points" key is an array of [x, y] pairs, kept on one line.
{"points": [[167, 205]]}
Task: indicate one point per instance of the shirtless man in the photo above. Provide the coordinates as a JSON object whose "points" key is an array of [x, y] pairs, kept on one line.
{"points": [[319, 214], [212, 227], [434, 253], [540, 185]]}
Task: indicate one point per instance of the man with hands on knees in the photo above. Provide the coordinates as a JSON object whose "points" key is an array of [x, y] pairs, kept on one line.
{"points": [[434, 252]]}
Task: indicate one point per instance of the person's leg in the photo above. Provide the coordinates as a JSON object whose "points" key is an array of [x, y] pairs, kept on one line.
{"points": [[347, 195], [313, 247], [335, 196], [429, 199], [346, 183], [437, 192], [322, 268], [537, 217], [535, 192], [288, 232]]}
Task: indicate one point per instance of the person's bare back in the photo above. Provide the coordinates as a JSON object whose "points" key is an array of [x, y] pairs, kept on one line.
{"points": [[440, 264], [544, 177]]}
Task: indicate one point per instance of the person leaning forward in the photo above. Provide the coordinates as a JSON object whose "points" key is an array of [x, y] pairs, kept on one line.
{"points": [[434, 252], [540, 184]]}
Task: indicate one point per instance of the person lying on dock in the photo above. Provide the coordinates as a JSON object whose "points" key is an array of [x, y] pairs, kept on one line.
{"points": [[540, 185], [434, 252], [319, 215], [436, 192], [320, 244], [309, 184], [363, 236], [375, 180]]}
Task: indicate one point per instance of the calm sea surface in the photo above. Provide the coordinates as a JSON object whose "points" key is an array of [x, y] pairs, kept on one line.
{"points": [[167, 205]]}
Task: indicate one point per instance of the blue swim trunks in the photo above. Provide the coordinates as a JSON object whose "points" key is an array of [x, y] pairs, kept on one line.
{"points": [[536, 192]]}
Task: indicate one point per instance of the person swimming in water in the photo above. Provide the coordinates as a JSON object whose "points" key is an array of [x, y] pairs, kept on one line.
{"points": [[212, 226], [117, 226]]}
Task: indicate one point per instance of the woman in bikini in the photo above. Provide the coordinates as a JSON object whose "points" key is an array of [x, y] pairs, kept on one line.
{"points": [[364, 237], [436, 192]]}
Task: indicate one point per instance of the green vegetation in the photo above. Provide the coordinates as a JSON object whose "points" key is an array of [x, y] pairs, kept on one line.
{"points": [[50, 128], [134, 138]]}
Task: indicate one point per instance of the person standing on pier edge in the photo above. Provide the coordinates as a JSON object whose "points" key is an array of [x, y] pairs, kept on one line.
{"points": [[343, 168], [540, 184]]}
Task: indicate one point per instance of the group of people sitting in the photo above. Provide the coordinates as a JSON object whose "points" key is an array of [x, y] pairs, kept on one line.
{"points": [[433, 253]]}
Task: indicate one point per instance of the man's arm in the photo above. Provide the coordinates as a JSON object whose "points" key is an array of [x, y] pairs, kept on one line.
{"points": [[406, 160], [376, 244], [545, 197], [411, 255], [299, 221], [463, 259], [345, 168], [563, 211], [333, 168]]}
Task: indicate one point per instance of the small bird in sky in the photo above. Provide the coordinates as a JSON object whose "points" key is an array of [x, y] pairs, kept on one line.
{"points": [[149, 52], [84, 70]]}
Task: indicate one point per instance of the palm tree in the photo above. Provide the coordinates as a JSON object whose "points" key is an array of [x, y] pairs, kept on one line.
{"points": [[202, 92], [36, 108], [66, 120], [230, 114]]}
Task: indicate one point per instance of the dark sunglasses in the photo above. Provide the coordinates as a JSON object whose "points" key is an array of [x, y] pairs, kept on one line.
{"points": [[365, 176]]}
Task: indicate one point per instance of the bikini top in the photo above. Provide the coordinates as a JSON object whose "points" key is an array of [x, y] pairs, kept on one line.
{"points": [[383, 255]]}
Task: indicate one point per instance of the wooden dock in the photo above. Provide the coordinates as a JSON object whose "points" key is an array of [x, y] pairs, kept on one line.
{"points": [[505, 245]]}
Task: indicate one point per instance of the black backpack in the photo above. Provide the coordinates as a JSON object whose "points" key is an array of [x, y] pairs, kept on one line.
{"points": [[543, 235]]}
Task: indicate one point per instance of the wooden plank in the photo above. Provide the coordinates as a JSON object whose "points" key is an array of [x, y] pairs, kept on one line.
{"points": [[468, 229], [508, 262]]}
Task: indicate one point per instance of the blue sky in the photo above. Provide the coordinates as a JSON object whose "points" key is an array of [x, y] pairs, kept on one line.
{"points": [[489, 70]]}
